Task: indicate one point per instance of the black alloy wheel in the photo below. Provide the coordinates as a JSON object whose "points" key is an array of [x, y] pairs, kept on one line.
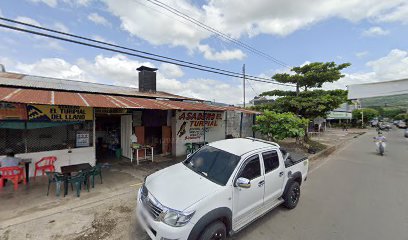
{"points": [[295, 194], [214, 231], [292, 195]]}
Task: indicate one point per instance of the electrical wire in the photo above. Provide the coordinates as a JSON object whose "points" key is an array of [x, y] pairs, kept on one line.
{"points": [[217, 32], [183, 63], [221, 72]]}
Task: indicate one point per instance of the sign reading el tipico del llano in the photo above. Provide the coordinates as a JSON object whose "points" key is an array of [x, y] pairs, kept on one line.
{"points": [[58, 113]]}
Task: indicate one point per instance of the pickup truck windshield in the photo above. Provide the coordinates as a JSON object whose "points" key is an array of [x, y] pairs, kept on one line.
{"points": [[212, 163]]}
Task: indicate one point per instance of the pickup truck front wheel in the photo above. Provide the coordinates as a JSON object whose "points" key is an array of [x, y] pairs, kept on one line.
{"points": [[292, 195], [215, 230]]}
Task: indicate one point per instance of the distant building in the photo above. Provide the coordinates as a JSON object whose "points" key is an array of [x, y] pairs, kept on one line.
{"points": [[342, 113], [260, 101]]}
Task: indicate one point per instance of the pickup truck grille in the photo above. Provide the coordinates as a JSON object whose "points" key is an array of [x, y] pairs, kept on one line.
{"points": [[153, 208]]}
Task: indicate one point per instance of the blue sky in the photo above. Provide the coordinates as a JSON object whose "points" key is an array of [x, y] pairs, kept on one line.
{"points": [[372, 35]]}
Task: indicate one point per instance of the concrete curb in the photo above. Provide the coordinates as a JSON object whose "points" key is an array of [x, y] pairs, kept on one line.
{"points": [[326, 152]]}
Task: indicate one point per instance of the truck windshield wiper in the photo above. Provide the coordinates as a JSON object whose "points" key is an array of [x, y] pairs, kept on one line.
{"points": [[198, 171]]}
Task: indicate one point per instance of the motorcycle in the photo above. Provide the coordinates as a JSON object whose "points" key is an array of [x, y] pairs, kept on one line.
{"points": [[380, 146]]}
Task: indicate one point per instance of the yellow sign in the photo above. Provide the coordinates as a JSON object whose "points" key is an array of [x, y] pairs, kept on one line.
{"points": [[59, 113]]}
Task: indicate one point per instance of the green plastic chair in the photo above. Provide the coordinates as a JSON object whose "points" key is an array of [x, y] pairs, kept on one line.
{"points": [[77, 180], [189, 148], [58, 179], [96, 171]]}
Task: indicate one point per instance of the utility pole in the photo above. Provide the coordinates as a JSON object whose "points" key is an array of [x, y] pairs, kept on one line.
{"points": [[242, 114], [243, 81]]}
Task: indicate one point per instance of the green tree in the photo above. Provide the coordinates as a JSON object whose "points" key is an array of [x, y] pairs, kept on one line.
{"points": [[369, 114], [308, 100], [278, 126], [401, 116], [391, 112]]}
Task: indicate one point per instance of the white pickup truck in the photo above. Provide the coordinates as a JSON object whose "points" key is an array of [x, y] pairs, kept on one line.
{"points": [[219, 190]]}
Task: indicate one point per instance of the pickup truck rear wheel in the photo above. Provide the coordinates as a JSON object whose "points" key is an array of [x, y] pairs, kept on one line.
{"points": [[215, 230], [292, 195]]}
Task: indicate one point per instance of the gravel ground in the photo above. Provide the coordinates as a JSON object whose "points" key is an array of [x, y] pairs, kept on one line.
{"points": [[110, 219]]}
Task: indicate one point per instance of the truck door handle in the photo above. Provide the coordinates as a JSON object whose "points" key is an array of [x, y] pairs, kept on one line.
{"points": [[261, 183], [280, 174]]}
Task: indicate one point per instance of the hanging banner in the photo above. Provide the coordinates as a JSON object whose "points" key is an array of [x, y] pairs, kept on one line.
{"points": [[190, 126], [59, 113], [13, 111]]}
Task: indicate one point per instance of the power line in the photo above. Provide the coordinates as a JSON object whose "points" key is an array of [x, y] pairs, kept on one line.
{"points": [[253, 88], [217, 32], [170, 60]]}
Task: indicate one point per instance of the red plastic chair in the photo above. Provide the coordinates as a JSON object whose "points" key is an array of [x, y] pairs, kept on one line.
{"points": [[14, 174], [45, 164]]}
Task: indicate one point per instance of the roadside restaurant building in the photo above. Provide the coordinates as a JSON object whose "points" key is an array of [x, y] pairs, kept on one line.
{"points": [[81, 122]]}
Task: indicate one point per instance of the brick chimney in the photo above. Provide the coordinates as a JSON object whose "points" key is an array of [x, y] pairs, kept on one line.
{"points": [[147, 79]]}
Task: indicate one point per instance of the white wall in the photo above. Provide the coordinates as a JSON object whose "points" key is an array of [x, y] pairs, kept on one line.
{"points": [[194, 129], [78, 155], [234, 121], [378, 89]]}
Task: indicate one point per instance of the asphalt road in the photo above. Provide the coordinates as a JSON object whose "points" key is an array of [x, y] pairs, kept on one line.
{"points": [[353, 194]]}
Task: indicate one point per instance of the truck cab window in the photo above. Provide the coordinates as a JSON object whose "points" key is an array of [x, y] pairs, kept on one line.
{"points": [[271, 161], [252, 169]]}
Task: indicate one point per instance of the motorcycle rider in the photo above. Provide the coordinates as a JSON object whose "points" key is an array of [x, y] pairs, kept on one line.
{"points": [[380, 141]]}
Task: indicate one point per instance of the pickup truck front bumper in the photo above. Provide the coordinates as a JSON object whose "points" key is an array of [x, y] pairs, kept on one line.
{"points": [[158, 230]]}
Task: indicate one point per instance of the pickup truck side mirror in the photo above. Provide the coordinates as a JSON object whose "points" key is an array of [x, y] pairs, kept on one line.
{"points": [[243, 183]]}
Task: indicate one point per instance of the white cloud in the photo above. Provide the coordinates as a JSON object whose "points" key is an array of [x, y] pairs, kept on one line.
{"points": [[61, 27], [28, 20], [51, 3], [78, 2], [98, 19], [400, 14], [284, 17], [391, 67], [171, 70], [40, 41], [156, 26], [242, 18], [54, 3], [101, 39], [52, 67], [361, 54], [224, 55], [375, 31]]}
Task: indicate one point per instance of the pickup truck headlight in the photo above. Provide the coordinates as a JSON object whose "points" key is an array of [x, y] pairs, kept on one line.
{"points": [[177, 219]]}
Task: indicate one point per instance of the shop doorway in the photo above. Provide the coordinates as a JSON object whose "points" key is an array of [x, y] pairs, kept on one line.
{"points": [[108, 136]]}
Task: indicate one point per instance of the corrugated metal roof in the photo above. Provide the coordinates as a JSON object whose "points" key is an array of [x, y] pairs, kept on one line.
{"points": [[47, 97], [28, 81]]}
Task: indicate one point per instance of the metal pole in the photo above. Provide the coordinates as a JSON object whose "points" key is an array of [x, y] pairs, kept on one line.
{"points": [[253, 123], [243, 81], [226, 123], [240, 125], [204, 127], [94, 133], [362, 118]]}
